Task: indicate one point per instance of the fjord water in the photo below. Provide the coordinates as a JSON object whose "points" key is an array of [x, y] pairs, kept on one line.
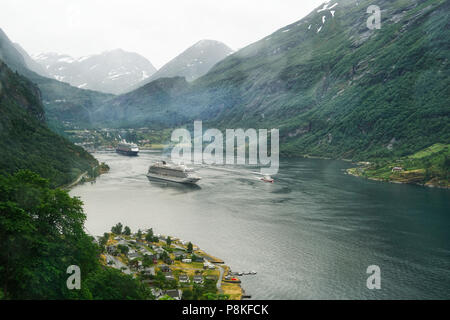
{"points": [[310, 235]]}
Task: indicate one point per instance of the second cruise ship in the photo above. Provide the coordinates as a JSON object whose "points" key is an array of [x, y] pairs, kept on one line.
{"points": [[128, 149]]}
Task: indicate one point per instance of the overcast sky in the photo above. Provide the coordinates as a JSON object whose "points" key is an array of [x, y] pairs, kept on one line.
{"points": [[156, 29]]}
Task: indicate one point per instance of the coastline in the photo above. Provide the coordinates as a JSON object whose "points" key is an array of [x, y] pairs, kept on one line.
{"points": [[172, 260], [75, 182], [98, 170], [358, 172], [429, 167]]}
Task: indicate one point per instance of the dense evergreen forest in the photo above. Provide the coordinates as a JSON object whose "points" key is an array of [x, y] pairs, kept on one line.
{"points": [[25, 140], [42, 227], [41, 234]]}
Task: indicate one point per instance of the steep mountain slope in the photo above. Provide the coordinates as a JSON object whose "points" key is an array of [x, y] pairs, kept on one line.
{"points": [[25, 140], [158, 101], [336, 88], [29, 62], [333, 87], [10, 54], [192, 63], [111, 72], [63, 103]]}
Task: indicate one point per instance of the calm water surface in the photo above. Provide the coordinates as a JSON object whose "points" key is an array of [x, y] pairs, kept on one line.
{"points": [[311, 235]]}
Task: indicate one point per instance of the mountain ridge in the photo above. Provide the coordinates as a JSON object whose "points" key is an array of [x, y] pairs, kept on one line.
{"points": [[64, 104], [30, 63], [113, 71], [332, 86], [193, 62]]}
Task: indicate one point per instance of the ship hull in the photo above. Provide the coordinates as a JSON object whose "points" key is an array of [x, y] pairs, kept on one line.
{"points": [[127, 153], [158, 177]]}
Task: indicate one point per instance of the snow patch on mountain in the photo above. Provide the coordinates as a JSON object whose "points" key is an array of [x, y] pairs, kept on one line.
{"points": [[194, 62], [114, 71], [325, 7]]}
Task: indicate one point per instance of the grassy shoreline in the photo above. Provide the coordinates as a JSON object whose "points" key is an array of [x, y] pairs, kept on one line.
{"points": [[177, 267], [429, 167]]}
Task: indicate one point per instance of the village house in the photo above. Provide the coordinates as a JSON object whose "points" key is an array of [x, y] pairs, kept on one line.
{"points": [[183, 278], [208, 265], [149, 271], [196, 258], [111, 250], [176, 246], [169, 276], [198, 279], [179, 254], [397, 169], [157, 293], [122, 242], [164, 268], [174, 293], [159, 250], [151, 255], [133, 255]]}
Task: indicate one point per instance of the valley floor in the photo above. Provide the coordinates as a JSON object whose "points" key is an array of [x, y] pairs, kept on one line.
{"points": [[427, 167]]}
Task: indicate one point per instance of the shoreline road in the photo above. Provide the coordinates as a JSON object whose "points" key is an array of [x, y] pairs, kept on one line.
{"points": [[219, 281], [77, 181]]}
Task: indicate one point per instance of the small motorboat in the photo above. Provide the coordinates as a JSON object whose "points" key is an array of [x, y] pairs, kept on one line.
{"points": [[267, 179]]}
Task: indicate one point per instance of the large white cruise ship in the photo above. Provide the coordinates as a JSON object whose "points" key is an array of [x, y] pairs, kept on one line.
{"points": [[171, 172], [129, 149]]}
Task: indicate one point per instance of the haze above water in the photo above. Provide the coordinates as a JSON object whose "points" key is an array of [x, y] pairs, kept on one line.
{"points": [[311, 235]]}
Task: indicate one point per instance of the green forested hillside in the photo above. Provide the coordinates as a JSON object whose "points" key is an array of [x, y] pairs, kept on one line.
{"points": [[158, 101], [430, 166], [25, 140], [41, 235], [42, 227], [332, 86]]}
